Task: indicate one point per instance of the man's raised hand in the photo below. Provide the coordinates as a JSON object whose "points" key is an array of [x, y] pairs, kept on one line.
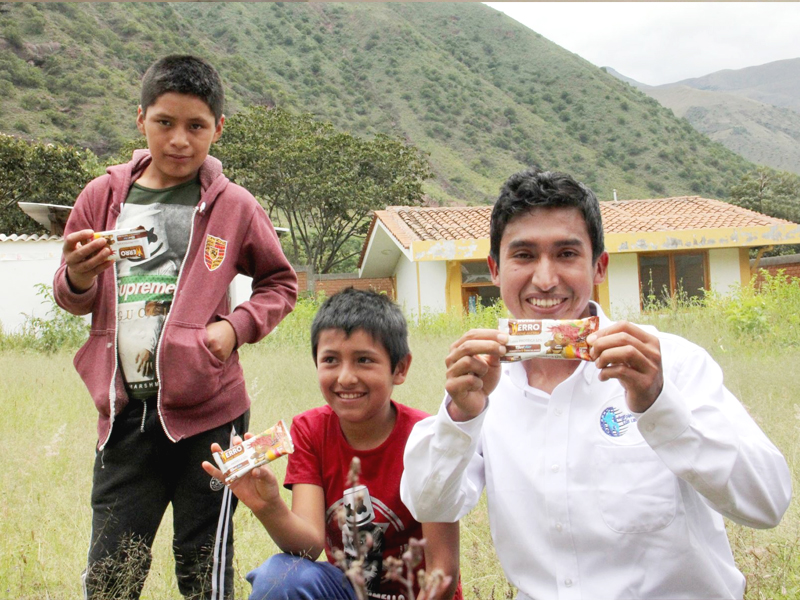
{"points": [[473, 371], [628, 353]]}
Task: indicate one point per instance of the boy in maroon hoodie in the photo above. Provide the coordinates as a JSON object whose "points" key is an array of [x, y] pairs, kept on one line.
{"points": [[161, 361]]}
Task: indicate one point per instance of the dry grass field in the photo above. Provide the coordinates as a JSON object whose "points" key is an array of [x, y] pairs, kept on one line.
{"points": [[47, 427]]}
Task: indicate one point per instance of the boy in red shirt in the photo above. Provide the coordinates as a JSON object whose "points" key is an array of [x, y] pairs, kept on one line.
{"points": [[161, 363], [360, 346]]}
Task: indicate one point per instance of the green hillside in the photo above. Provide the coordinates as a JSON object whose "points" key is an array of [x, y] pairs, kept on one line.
{"points": [[762, 133], [776, 83], [482, 94]]}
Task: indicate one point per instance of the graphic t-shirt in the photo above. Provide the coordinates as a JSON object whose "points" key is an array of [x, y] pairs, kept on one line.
{"points": [[322, 457], [147, 287]]}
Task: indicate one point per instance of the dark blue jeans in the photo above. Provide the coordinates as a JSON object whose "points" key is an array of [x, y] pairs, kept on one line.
{"points": [[287, 577]]}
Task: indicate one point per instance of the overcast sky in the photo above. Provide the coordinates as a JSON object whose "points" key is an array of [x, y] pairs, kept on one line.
{"points": [[664, 42]]}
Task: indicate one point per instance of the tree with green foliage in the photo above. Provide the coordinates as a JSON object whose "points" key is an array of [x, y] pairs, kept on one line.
{"points": [[37, 172], [323, 184], [774, 193]]}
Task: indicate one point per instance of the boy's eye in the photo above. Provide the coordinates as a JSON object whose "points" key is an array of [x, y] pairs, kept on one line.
{"points": [[365, 360], [196, 126], [328, 359], [164, 122]]}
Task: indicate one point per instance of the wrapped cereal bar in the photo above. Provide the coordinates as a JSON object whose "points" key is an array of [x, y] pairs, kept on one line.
{"points": [[126, 244], [543, 338], [254, 452]]}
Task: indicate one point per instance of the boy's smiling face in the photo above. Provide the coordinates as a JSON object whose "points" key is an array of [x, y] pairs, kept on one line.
{"points": [[180, 129], [356, 378], [546, 269]]}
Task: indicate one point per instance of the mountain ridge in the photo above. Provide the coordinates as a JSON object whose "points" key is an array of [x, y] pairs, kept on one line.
{"points": [[734, 107], [482, 94]]}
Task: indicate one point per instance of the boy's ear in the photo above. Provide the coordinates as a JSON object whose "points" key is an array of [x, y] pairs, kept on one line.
{"points": [[218, 128], [140, 120], [401, 370]]}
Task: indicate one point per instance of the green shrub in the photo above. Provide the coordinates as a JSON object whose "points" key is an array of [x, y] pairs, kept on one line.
{"points": [[60, 330]]}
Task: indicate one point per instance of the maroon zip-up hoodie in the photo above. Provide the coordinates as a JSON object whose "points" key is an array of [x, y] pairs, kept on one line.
{"points": [[197, 391]]}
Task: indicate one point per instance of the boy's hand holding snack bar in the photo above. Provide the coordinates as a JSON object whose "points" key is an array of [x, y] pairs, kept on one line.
{"points": [[86, 256], [254, 451], [239, 465], [126, 244]]}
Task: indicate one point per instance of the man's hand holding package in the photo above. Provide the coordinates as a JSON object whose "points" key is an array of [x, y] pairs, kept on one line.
{"points": [[86, 258], [473, 371], [258, 489], [221, 339], [626, 352]]}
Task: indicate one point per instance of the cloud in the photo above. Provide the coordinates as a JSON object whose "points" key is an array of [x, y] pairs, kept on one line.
{"points": [[655, 42]]}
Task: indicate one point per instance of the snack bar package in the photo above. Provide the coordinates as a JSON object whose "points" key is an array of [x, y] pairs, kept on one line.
{"points": [[130, 244], [533, 338], [258, 450]]}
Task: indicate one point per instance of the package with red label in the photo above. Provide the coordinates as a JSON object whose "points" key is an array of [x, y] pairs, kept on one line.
{"points": [[254, 452], [126, 244], [547, 338]]}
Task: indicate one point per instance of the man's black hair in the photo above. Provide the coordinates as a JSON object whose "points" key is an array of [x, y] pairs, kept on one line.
{"points": [[534, 188], [184, 74], [374, 313]]}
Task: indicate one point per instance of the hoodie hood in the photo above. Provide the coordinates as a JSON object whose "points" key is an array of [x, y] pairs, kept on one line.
{"points": [[212, 181]]}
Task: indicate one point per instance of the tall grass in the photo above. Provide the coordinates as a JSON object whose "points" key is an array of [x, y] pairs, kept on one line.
{"points": [[48, 430]]}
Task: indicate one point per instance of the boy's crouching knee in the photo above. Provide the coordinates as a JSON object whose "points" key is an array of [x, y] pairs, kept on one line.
{"points": [[287, 577]]}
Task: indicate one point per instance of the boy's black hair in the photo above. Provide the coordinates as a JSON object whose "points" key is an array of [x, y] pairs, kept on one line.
{"points": [[534, 188], [184, 74], [375, 313]]}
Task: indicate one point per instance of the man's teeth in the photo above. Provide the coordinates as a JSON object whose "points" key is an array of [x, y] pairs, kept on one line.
{"points": [[350, 396], [544, 303]]}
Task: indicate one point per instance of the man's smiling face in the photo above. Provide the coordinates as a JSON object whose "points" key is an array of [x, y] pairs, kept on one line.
{"points": [[545, 268]]}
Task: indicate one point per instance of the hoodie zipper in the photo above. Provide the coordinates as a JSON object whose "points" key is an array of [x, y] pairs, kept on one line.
{"points": [[112, 388], [198, 210]]}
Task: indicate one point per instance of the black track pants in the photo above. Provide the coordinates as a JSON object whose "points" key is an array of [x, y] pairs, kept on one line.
{"points": [[136, 476]]}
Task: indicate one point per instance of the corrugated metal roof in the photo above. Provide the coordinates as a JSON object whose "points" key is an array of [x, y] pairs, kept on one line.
{"points": [[30, 238]]}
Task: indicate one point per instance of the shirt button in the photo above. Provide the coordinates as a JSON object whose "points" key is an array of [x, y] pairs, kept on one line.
{"points": [[559, 527], [568, 582], [557, 412], [554, 468], [650, 426]]}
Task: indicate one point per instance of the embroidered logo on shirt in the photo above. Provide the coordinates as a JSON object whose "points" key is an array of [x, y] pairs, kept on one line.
{"points": [[214, 252], [614, 422]]}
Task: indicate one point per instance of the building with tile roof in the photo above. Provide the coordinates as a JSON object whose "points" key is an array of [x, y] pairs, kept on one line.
{"points": [[657, 247]]}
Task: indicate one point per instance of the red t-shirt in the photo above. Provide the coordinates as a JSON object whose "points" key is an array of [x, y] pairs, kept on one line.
{"points": [[322, 457]]}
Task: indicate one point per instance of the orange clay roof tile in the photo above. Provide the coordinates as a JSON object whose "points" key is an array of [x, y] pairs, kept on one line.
{"points": [[409, 224]]}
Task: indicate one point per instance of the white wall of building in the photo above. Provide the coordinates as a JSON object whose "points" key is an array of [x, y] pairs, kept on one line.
{"points": [[240, 289], [723, 265], [406, 276], [623, 285], [23, 265], [432, 281]]}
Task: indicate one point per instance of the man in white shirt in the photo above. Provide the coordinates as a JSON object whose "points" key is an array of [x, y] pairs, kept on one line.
{"points": [[606, 479]]}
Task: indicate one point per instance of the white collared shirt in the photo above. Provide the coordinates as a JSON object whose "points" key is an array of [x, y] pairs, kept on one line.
{"points": [[590, 501]]}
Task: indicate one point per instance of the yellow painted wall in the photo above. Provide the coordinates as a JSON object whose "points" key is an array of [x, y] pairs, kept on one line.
{"points": [[744, 265], [453, 285], [702, 239]]}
